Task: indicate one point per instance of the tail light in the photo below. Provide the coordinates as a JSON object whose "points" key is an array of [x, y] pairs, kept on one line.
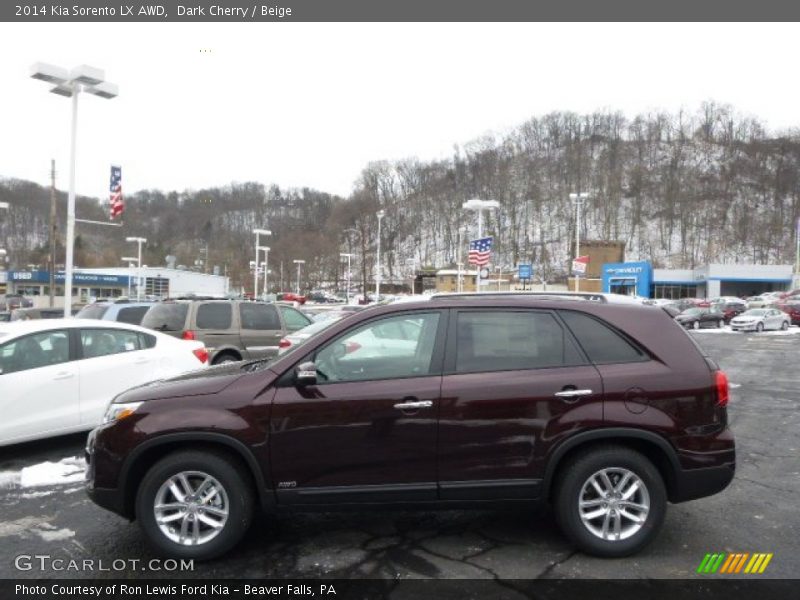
{"points": [[201, 354], [352, 347], [284, 343], [723, 393], [188, 335]]}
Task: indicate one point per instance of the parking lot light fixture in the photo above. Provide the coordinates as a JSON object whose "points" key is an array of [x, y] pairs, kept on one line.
{"points": [[578, 199], [70, 84], [258, 232], [348, 257], [381, 214], [266, 250], [298, 262], [139, 241]]}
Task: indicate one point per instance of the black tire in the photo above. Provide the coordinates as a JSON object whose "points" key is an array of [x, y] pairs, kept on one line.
{"points": [[760, 327], [784, 326], [696, 325], [720, 324], [225, 357], [569, 484], [234, 480]]}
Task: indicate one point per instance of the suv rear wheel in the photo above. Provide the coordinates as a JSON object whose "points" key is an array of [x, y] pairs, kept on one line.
{"points": [[610, 501], [226, 357], [194, 505]]}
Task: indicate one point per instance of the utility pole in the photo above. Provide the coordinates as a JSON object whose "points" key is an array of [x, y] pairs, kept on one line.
{"points": [[52, 231], [578, 199]]}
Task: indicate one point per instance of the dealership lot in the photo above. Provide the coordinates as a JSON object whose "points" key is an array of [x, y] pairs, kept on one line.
{"points": [[45, 511]]}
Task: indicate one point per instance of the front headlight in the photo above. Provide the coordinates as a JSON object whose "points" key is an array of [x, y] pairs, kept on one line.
{"points": [[117, 412]]}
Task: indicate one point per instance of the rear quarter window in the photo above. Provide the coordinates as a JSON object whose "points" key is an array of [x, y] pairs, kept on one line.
{"points": [[92, 312], [132, 314], [601, 342]]}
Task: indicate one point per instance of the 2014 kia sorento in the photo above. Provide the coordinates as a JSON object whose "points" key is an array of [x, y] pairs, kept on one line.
{"points": [[606, 411]]}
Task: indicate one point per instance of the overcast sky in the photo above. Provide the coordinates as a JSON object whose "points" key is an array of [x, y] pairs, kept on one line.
{"points": [[311, 104]]}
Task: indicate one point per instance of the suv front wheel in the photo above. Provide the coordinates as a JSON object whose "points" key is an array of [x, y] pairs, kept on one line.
{"points": [[194, 504], [610, 501]]}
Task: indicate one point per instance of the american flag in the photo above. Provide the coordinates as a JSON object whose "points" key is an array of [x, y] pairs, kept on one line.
{"points": [[117, 205], [480, 251]]}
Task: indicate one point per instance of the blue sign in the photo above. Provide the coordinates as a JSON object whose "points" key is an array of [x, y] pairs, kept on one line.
{"points": [[630, 277], [96, 279], [525, 271]]}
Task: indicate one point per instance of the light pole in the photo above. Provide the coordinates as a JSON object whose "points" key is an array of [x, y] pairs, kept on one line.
{"points": [[266, 271], [381, 214], [258, 232], [3, 205], [348, 256], [139, 241], [298, 262], [70, 84], [578, 199], [413, 263], [131, 260], [479, 206]]}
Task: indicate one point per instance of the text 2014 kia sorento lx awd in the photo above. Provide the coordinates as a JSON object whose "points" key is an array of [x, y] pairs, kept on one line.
{"points": [[606, 411]]}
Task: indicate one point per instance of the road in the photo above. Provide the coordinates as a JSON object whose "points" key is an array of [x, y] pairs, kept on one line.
{"points": [[757, 513]]}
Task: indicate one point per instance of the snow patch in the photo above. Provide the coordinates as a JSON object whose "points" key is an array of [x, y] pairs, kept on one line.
{"points": [[67, 470], [58, 534]]}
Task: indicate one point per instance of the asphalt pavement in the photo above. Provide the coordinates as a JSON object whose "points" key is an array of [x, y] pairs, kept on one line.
{"points": [[757, 513]]}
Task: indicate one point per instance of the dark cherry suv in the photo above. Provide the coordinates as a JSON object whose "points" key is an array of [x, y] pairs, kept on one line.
{"points": [[606, 411]]}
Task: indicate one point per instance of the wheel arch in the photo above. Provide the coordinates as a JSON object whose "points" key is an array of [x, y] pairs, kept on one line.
{"points": [[147, 454], [655, 447]]}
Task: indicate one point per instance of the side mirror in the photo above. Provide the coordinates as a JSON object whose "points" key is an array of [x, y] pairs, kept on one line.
{"points": [[305, 374]]}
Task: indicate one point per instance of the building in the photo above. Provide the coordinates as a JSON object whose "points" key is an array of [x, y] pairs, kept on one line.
{"points": [[88, 284], [599, 252], [447, 281], [709, 281]]}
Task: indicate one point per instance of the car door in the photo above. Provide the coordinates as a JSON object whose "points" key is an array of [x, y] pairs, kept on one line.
{"points": [[514, 384], [366, 432], [39, 394], [216, 327], [775, 317], [111, 361], [261, 329]]}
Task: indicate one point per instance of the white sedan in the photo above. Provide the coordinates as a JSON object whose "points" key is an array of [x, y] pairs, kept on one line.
{"points": [[57, 376], [759, 319]]}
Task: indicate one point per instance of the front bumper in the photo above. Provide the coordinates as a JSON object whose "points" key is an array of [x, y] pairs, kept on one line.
{"points": [[743, 326]]}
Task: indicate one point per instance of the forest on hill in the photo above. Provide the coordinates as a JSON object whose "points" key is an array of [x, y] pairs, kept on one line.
{"points": [[679, 189]]}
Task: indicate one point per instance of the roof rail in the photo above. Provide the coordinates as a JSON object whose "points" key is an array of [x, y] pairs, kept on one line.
{"points": [[586, 296]]}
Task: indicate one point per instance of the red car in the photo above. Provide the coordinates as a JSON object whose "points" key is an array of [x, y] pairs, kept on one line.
{"points": [[292, 297], [792, 308]]}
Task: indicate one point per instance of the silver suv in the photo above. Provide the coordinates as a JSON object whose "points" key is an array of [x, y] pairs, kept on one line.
{"points": [[231, 329]]}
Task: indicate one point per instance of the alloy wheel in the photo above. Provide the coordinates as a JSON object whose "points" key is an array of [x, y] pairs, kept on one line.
{"points": [[614, 504], [191, 508]]}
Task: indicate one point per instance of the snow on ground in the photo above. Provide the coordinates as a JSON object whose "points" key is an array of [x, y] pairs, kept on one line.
{"points": [[794, 330], [68, 470]]}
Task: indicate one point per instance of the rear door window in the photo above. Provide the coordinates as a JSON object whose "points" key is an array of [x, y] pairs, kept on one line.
{"points": [[103, 342], [166, 317], [214, 315], [499, 340], [602, 343]]}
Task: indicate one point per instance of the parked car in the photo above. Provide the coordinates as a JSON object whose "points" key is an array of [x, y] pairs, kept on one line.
{"points": [[791, 308], [292, 297], [28, 314], [730, 309], [759, 319], [123, 311], [763, 300], [496, 401], [695, 318], [5, 317], [231, 329], [9, 302], [59, 376]]}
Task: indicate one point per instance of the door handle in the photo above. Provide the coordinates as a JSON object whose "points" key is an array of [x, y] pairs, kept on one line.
{"points": [[64, 375], [414, 404], [573, 393]]}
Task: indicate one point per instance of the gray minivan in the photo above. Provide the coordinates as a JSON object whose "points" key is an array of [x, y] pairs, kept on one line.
{"points": [[231, 329]]}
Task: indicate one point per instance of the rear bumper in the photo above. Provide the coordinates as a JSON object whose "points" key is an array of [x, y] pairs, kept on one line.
{"points": [[691, 484]]}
